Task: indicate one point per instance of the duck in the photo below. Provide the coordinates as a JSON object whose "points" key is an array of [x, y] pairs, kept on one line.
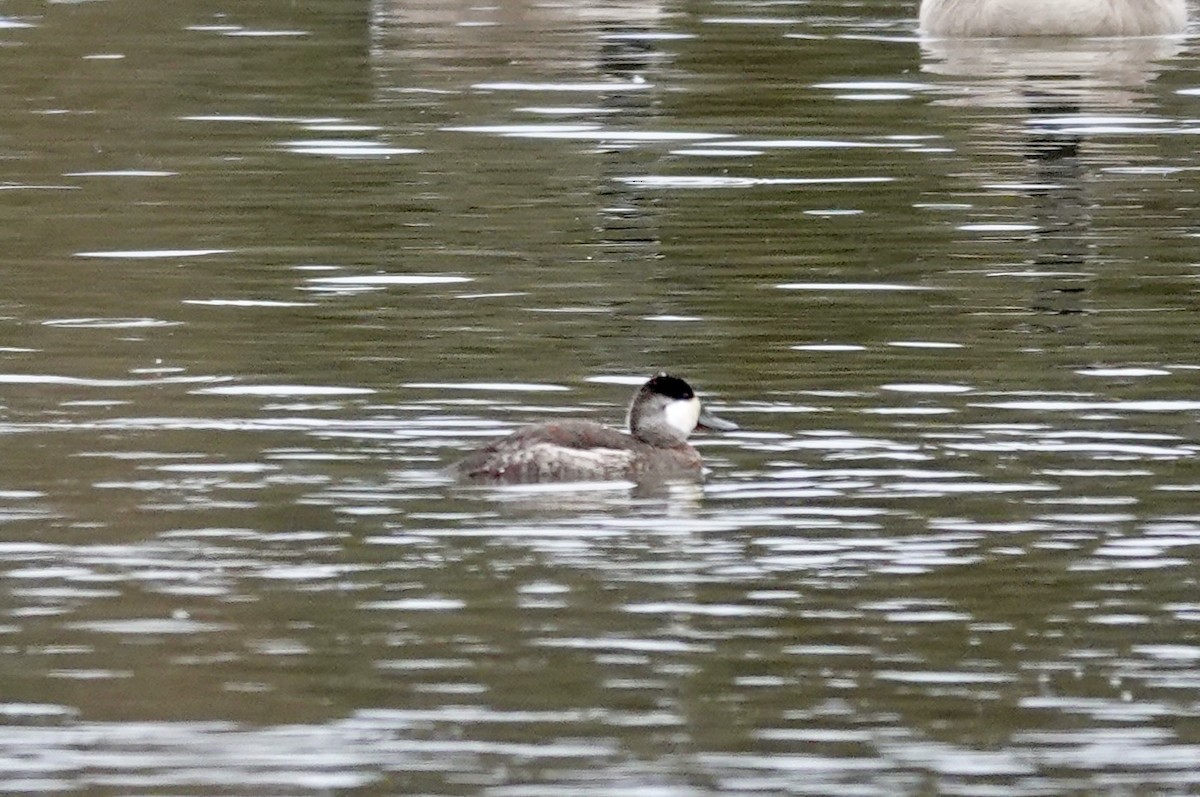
{"points": [[662, 415], [979, 18]]}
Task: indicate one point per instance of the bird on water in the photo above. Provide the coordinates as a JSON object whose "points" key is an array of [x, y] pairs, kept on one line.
{"points": [[663, 413]]}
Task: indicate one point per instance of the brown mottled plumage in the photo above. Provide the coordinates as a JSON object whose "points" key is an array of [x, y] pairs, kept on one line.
{"points": [[663, 413]]}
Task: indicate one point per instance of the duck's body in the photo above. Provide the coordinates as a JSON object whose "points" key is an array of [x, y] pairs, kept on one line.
{"points": [[574, 450], [977, 18], [662, 415]]}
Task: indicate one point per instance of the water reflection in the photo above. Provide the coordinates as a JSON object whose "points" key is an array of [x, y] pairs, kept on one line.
{"points": [[272, 269], [1071, 91]]}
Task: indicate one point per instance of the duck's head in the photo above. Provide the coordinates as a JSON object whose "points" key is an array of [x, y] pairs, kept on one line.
{"points": [[666, 410]]}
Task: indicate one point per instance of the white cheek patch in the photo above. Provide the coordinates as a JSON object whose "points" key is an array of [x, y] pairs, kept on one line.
{"points": [[683, 415]]}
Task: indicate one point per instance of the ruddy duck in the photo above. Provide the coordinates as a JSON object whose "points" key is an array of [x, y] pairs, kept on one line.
{"points": [[664, 411], [970, 18]]}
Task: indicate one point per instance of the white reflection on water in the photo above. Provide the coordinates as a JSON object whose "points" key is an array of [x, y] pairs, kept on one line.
{"points": [[687, 181], [1116, 405], [365, 283], [850, 286], [53, 379], [255, 118], [151, 254], [876, 85], [123, 173], [238, 31], [1123, 372], [811, 143], [346, 148], [996, 227], [283, 391], [108, 323], [585, 132], [829, 347], [715, 152], [245, 303], [606, 87], [490, 387], [927, 388], [150, 626], [858, 583]]}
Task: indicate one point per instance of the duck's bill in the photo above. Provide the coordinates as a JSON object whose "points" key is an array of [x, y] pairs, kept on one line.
{"points": [[714, 424]]}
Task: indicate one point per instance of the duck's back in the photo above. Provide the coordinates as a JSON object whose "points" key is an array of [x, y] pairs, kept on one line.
{"points": [[572, 450]]}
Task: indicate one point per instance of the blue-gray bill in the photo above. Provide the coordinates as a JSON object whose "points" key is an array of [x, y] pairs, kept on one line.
{"points": [[714, 424]]}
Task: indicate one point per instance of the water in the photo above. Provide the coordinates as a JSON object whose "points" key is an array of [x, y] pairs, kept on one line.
{"points": [[268, 270]]}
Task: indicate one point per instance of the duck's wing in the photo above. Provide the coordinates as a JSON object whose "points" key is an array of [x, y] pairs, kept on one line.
{"points": [[557, 451], [575, 435]]}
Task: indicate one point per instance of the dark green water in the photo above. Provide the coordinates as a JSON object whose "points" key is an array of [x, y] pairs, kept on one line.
{"points": [[266, 270]]}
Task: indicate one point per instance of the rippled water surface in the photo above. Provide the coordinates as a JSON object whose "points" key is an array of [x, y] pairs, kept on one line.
{"points": [[269, 267]]}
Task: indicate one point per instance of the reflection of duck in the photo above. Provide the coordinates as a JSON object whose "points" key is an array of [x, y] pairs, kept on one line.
{"points": [[1030, 104], [1096, 74], [1052, 17], [664, 411]]}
